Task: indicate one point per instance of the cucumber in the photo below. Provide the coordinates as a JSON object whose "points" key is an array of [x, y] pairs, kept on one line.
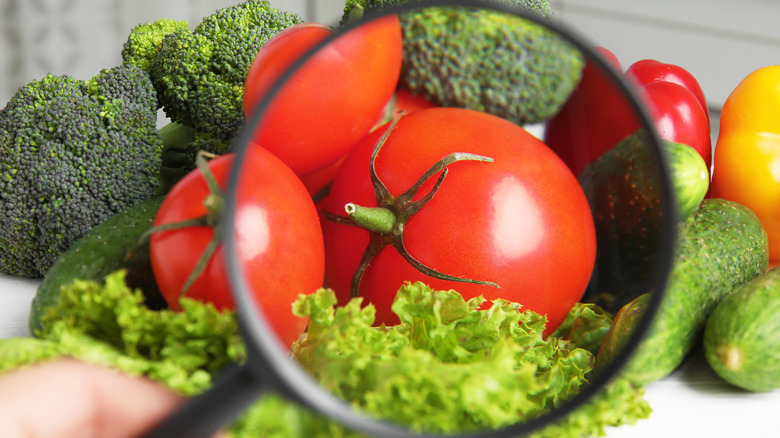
{"points": [[742, 335], [720, 246], [111, 245], [622, 189]]}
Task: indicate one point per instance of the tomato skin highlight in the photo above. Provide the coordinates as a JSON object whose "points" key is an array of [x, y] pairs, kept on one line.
{"points": [[333, 100], [516, 222], [279, 241]]}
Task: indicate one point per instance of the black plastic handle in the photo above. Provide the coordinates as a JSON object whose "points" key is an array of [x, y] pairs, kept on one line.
{"points": [[204, 415]]}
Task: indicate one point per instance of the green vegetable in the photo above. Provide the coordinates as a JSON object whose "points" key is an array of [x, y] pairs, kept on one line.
{"points": [[484, 368], [742, 335], [199, 75], [355, 9], [181, 146], [690, 177], [107, 247], [622, 189], [585, 325], [181, 143], [144, 41], [720, 246], [440, 333], [72, 154], [107, 324], [274, 417], [484, 60]]}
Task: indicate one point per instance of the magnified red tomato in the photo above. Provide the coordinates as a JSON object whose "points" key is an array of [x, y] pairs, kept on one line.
{"points": [[520, 221], [279, 240], [333, 100]]}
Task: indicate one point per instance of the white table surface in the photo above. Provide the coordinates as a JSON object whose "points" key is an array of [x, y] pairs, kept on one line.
{"points": [[692, 402]]}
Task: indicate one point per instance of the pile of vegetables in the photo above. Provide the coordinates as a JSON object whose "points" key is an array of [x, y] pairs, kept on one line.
{"points": [[422, 239]]}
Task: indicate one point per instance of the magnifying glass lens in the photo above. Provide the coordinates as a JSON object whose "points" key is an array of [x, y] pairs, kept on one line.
{"points": [[453, 200]]}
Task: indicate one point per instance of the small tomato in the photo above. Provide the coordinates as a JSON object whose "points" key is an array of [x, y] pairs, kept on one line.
{"points": [[333, 100], [279, 240]]}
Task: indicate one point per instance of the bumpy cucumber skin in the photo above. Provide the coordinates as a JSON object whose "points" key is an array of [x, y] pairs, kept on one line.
{"points": [[690, 177], [622, 187], [742, 335], [96, 254], [719, 247]]}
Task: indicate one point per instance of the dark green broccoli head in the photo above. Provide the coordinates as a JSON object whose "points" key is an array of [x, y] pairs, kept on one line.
{"points": [[72, 153], [354, 9], [144, 41], [200, 75], [487, 61]]}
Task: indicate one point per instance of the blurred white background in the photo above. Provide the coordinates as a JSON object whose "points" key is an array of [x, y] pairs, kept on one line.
{"points": [[719, 41], [79, 37]]}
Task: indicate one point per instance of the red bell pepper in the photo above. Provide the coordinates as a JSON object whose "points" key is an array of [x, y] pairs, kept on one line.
{"points": [[598, 116], [650, 70], [595, 118]]}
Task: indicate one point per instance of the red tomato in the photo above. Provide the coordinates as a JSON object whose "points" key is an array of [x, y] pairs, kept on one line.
{"points": [[405, 102], [521, 221], [279, 240], [333, 100], [408, 102], [318, 181]]}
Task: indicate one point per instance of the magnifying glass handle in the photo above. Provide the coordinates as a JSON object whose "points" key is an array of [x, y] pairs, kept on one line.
{"points": [[204, 415]]}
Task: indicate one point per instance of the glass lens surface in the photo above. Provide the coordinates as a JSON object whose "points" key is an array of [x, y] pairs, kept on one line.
{"points": [[437, 213]]}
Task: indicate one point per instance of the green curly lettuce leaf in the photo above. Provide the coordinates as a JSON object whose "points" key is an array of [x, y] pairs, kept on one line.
{"points": [[108, 325], [451, 365], [436, 369], [585, 325]]}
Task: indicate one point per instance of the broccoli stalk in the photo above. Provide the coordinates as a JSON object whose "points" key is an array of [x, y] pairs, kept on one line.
{"points": [[73, 153], [181, 146]]}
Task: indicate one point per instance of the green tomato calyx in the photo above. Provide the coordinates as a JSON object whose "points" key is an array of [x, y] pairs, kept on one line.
{"points": [[386, 221], [375, 219], [214, 203]]}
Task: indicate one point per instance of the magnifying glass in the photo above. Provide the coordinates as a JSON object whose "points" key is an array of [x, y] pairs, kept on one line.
{"points": [[467, 213]]}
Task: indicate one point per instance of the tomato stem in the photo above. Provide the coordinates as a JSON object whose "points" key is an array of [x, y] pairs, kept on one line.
{"points": [[386, 221], [376, 219]]}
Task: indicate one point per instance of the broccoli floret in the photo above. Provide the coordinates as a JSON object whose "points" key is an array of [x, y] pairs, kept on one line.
{"points": [[484, 60], [200, 75], [354, 9], [72, 153], [144, 41]]}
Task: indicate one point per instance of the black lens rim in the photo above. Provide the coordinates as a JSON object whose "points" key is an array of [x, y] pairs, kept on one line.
{"points": [[283, 375]]}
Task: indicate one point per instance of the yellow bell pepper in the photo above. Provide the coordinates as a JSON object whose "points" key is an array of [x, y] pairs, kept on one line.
{"points": [[746, 166]]}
